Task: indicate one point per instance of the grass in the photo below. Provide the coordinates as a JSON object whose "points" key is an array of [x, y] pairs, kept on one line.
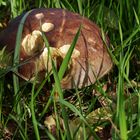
{"points": [[24, 107]]}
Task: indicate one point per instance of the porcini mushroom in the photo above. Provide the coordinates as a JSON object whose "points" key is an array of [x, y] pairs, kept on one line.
{"points": [[90, 59]]}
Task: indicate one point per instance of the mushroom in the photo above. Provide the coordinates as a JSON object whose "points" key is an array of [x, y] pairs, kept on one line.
{"points": [[90, 59]]}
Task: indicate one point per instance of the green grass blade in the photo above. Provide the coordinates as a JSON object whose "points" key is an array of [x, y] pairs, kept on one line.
{"points": [[41, 85], [139, 108], [50, 135], [57, 3], [120, 31], [76, 111], [63, 66], [120, 92], [1, 96], [34, 121], [80, 6], [17, 51], [17, 55], [66, 60], [100, 13], [59, 90], [67, 5], [136, 17], [21, 129]]}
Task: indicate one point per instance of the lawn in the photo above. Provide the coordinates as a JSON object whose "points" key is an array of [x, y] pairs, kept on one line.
{"points": [[106, 109]]}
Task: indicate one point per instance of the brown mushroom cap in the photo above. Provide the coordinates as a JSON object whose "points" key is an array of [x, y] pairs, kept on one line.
{"points": [[60, 27]]}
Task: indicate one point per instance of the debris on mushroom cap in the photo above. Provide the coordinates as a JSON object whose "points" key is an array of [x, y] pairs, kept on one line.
{"points": [[33, 42], [45, 58], [46, 27], [39, 16], [64, 49], [90, 59], [55, 53]]}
